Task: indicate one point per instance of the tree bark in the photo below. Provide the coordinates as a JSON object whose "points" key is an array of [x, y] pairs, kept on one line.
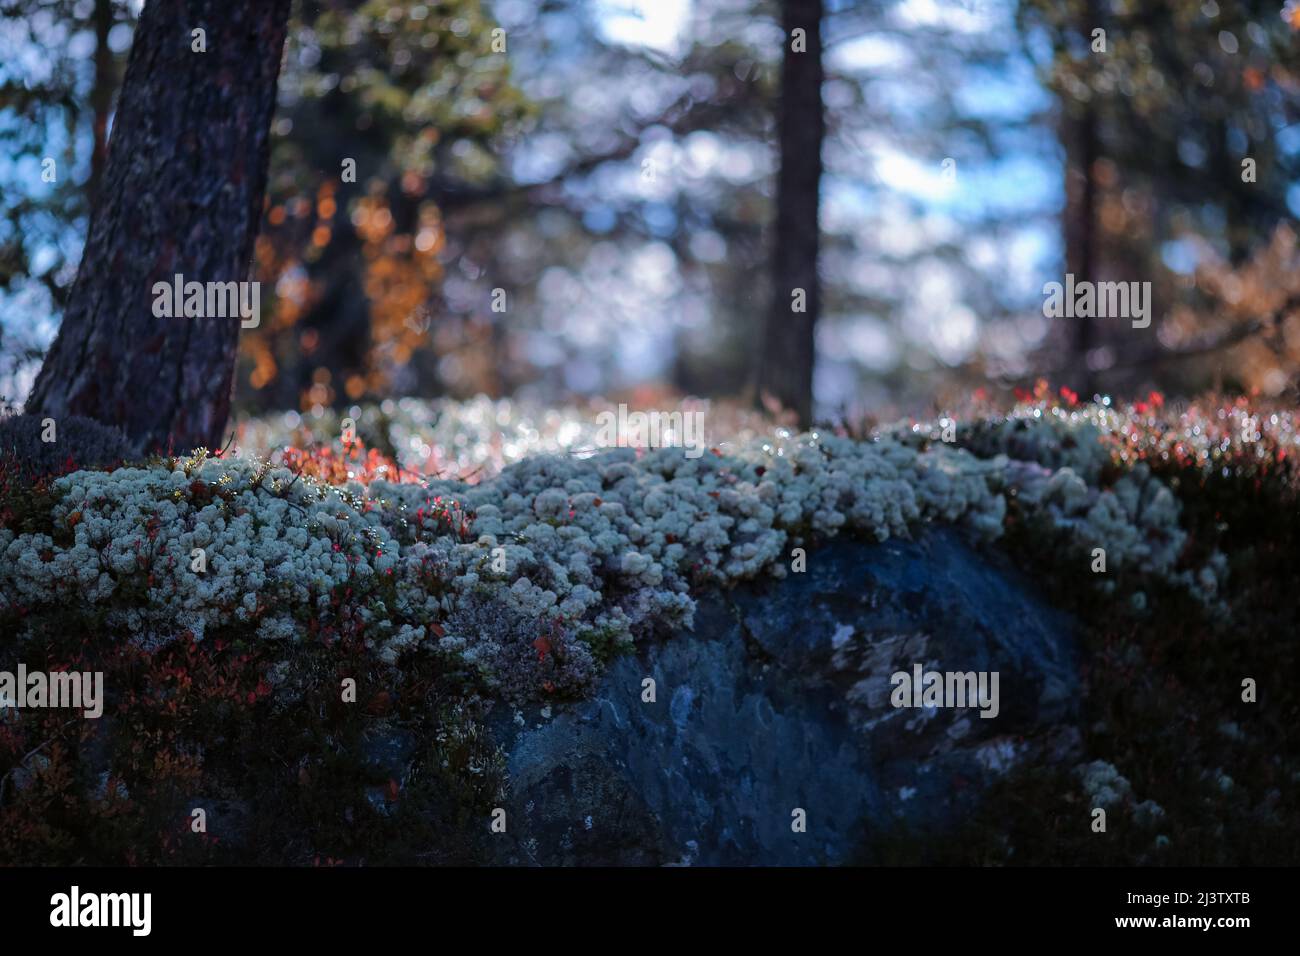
{"points": [[182, 193], [785, 369], [1083, 149], [101, 97], [1080, 242]]}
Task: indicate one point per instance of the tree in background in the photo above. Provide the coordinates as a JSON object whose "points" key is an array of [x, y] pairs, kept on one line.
{"points": [[785, 369], [390, 116], [1081, 141], [626, 222], [182, 193], [63, 100], [416, 97], [1180, 147]]}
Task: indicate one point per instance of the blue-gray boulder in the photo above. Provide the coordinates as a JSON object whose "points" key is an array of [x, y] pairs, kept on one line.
{"points": [[775, 711]]}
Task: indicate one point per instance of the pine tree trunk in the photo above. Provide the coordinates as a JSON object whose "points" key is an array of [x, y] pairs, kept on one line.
{"points": [[101, 98], [1083, 149], [1080, 240], [182, 193], [785, 369]]}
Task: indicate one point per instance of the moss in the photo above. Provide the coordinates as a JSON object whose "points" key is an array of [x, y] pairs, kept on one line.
{"points": [[606, 643]]}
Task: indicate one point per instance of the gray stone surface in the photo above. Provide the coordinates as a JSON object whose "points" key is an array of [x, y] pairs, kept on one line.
{"points": [[779, 700]]}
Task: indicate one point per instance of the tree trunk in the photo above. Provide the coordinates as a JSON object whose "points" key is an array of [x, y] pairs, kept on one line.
{"points": [[1081, 201], [181, 194], [785, 368], [101, 98], [1080, 242]]}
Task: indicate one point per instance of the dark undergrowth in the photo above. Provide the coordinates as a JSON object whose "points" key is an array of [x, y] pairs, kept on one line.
{"points": [[1163, 703], [262, 740]]}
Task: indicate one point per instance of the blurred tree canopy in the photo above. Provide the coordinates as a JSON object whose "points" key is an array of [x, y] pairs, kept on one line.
{"points": [[62, 63], [388, 112], [578, 196], [1181, 138]]}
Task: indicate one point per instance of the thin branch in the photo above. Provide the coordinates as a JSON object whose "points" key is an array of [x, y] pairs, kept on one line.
{"points": [[1234, 336]]}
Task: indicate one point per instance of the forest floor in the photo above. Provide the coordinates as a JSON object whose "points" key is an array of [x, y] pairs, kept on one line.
{"points": [[256, 611]]}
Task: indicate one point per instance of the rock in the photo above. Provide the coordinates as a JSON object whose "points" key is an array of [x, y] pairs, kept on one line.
{"points": [[779, 701]]}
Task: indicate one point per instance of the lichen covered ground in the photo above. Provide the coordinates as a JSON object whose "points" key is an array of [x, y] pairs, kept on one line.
{"points": [[455, 555]]}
